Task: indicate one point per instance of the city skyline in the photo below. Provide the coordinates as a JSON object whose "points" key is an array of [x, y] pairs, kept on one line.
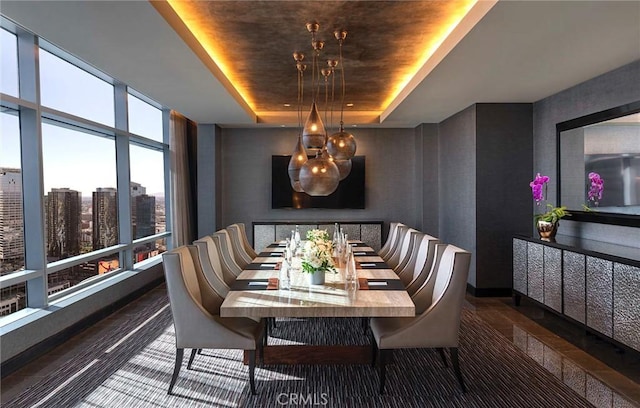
{"points": [[73, 225], [79, 169], [82, 174], [63, 205]]}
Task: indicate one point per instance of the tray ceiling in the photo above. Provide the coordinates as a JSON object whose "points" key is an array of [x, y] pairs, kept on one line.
{"points": [[252, 44]]}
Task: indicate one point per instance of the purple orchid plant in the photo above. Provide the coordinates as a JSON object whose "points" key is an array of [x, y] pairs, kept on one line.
{"points": [[539, 188], [595, 190], [539, 191]]}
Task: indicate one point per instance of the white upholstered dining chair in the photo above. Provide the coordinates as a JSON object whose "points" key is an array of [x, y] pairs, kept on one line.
{"points": [[245, 241], [408, 245], [437, 326], [388, 244], [421, 265], [422, 297], [223, 242], [195, 326], [215, 282], [209, 256], [240, 253], [393, 256]]}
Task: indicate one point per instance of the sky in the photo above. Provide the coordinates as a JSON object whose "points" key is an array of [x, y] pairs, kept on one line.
{"points": [[71, 158]]}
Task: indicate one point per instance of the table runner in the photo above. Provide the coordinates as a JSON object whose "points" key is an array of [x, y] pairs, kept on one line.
{"points": [[264, 266], [372, 265], [277, 245], [358, 244], [255, 284], [276, 254], [380, 284], [364, 253]]}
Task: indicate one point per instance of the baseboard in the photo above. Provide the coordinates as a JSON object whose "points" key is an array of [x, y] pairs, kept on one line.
{"points": [[38, 350], [489, 292]]}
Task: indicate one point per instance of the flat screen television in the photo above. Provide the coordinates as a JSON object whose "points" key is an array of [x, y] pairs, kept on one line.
{"points": [[349, 194]]}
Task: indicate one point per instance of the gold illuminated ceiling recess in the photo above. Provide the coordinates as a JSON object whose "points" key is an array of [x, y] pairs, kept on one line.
{"points": [[392, 45]]}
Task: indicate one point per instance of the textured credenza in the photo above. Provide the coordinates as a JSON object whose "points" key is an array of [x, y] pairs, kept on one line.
{"points": [[595, 284], [264, 233]]}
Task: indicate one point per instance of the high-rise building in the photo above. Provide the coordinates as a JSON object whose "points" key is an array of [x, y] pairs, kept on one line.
{"points": [[137, 189], [11, 220], [145, 221], [143, 211], [63, 223], [105, 217]]}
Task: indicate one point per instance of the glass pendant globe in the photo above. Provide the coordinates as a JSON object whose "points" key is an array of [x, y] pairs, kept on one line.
{"points": [[296, 186], [313, 133], [344, 168], [341, 145], [298, 159], [319, 177]]}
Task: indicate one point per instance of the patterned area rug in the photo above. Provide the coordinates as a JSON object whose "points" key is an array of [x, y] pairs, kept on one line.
{"points": [[125, 369]]}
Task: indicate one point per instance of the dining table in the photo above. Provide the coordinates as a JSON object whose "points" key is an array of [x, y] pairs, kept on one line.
{"points": [[257, 293]]}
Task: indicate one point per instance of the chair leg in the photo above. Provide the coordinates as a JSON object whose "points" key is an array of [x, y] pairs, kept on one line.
{"points": [[384, 354], [265, 333], [365, 324], [176, 369], [374, 349], [261, 345], [444, 358], [252, 366], [267, 328], [271, 323], [191, 357], [453, 351]]}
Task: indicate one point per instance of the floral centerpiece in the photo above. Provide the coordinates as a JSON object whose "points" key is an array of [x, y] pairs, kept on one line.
{"points": [[318, 255], [546, 222]]}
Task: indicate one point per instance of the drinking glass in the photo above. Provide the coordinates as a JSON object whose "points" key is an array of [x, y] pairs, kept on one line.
{"points": [[350, 275], [284, 277]]}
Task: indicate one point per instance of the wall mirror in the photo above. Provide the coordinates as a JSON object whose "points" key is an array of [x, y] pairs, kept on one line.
{"points": [[607, 144]]}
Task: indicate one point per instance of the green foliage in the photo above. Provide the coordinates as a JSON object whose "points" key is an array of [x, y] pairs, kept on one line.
{"points": [[553, 214], [586, 209]]}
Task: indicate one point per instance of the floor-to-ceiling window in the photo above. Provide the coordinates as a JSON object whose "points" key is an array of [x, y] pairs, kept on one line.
{"points": [[147, 183], [83, 174]]}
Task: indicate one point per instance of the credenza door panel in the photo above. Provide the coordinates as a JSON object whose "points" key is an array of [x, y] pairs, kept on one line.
{"points": [[520, 265], [553, 278], [626, 304], [600, 295], [535, 271], [573, 265]]}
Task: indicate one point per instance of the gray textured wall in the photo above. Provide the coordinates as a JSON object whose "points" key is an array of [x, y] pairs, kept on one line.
{"points": [[615, 88], [485, 156], [457, 183], [246, 177], [504, 160], [206, 185], [438, 178], [418, 175], [428, 180]]}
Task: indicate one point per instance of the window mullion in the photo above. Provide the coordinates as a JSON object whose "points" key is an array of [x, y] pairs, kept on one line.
{"points": [[123, 172], [32, 173], [166, 129]]}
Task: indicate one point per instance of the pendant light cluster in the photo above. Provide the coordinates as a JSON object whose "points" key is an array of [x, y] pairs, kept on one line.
{"points": [[320, 175]]}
